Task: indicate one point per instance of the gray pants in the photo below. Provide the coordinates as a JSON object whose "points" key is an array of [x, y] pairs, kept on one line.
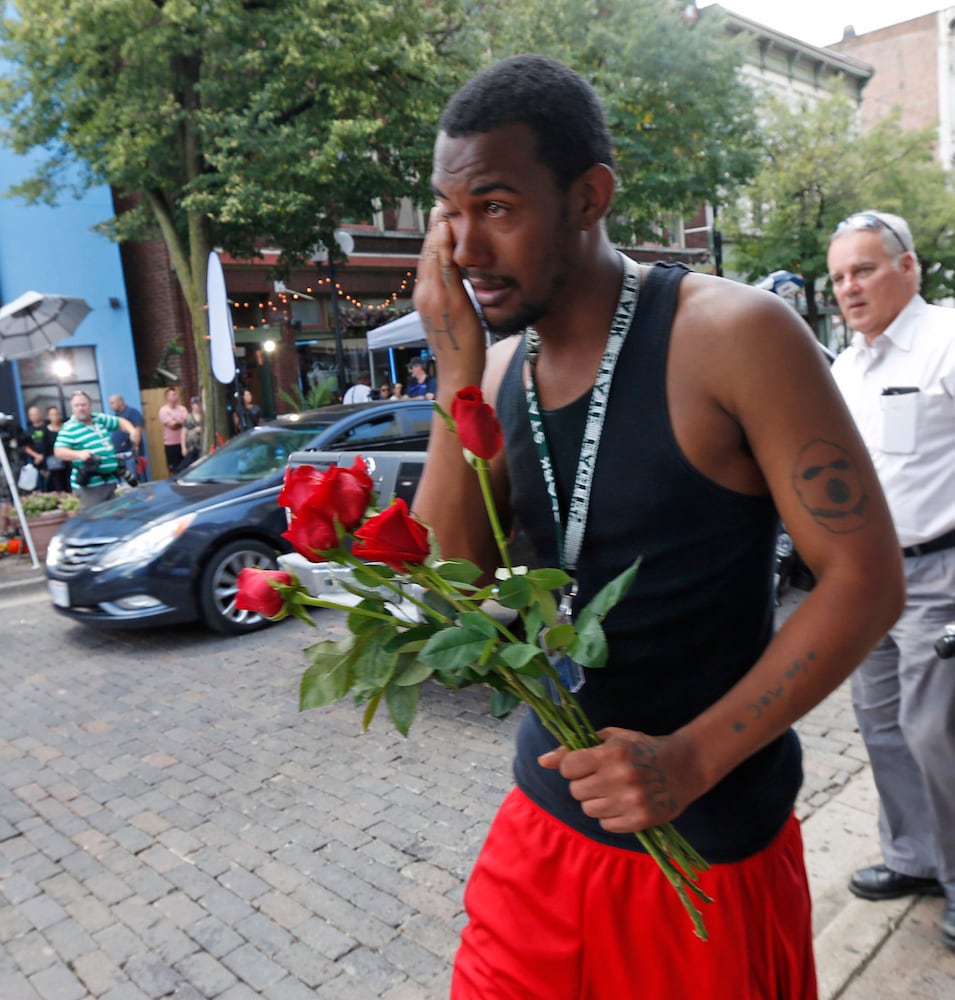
{"points": [[92, 495], [904, 698]]}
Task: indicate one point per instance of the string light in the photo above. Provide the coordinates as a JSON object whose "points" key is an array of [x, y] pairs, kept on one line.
{"points": [[285, 298]]}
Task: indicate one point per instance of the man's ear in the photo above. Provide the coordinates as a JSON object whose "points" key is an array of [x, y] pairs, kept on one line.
{"points": [[592, 194]]}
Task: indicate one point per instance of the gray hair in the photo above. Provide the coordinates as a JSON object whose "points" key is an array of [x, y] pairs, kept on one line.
{"points": [[893, 230]]}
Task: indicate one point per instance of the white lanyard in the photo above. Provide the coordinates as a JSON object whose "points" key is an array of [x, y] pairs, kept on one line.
{"points": [[569, 542]]}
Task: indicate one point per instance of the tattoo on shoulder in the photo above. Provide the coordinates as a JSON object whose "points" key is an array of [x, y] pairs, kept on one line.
{"points": [[791, 674], [828, 485], [435, 333]]}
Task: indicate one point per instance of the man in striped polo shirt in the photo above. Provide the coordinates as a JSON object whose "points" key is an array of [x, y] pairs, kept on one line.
{"points": [[85, 435]]}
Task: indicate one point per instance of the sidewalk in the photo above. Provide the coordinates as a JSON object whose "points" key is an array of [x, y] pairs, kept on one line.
{"points": [[864, 950], [18, 573], [251, 761]]}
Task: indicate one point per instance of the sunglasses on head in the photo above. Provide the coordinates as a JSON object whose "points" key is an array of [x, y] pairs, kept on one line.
{"points": [[866, 220]]}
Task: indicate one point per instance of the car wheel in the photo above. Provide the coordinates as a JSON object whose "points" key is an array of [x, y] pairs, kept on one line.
{"points": [[219, 586]]}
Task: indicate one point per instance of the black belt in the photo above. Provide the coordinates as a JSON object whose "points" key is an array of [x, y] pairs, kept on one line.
{"points": [[945, 541]]}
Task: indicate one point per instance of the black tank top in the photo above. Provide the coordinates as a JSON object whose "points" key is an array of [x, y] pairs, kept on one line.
{"points": [[701, 609]]}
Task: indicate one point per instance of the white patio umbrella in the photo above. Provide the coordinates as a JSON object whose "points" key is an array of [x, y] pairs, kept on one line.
{"points": [[34, 322]]}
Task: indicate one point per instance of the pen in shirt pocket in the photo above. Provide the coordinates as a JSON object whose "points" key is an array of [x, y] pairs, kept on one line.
{"points": [[899, 390]]}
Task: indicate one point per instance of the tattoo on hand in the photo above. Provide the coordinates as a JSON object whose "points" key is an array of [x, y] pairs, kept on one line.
{"points": [[643, 756], [829, 487], [435, 333], [791, 674]]}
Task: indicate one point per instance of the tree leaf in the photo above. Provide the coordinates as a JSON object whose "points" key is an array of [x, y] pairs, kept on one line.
{"points": [[503, 703], [518, 655], [410, 670], [549, 578], [514, 592], [329, 677], [370, 710], [458, 571], [589, 647], [402, 705], [560, 636], [476, 622], [453, 648], [611, 593]]}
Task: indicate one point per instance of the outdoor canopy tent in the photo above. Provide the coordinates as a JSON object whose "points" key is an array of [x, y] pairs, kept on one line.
{"points": [[406, 331]]}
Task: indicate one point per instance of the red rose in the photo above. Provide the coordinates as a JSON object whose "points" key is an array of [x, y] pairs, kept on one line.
{"points": [[341, 493], [393, 537], [298, 486], [477, 424], [312, 530], [257, 594]]}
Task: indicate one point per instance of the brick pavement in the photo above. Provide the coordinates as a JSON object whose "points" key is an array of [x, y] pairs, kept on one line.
{"points": [[170, 825]]}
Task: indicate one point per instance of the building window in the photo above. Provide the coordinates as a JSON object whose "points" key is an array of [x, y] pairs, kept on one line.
{"points": [[49, 379]]}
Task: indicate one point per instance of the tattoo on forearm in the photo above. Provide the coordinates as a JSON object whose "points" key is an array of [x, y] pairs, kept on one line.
{"points": [[643, 756], [829, 487], [435, 333], [757, 709]]}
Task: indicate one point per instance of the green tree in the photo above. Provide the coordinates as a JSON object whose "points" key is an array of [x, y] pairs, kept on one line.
{"points": [[819, 167], [227, 123], [681, 117]]}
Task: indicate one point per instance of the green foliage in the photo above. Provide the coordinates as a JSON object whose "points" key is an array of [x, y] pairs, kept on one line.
{"points": [[318, 395], [263, 118], [681, 117], [225, 123], [819, 167]]}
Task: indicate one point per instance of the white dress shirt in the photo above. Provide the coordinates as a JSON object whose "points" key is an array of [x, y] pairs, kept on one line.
{"points": [[358, 393], [910, 434]]}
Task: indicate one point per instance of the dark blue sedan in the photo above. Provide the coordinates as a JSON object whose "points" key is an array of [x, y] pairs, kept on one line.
{"points": [[172, 551]]}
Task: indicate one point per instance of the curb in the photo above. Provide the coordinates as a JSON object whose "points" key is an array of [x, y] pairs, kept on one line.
{"points": [[20, 577], [866, 950]]}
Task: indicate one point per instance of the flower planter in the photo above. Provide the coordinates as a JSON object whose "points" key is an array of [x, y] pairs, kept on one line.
{"points": [[43, 527]]}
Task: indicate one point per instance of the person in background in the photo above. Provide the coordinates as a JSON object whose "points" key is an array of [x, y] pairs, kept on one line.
{"points": [[191, 434], [701, 441], [172, 415], [898, 378], [85, 441], [360, 392], [249, 413], [420, 383], [121, 440], [384, 390], [58, 471], [36, 447]]}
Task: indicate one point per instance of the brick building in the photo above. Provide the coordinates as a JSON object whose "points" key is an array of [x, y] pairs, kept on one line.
{"points": [[913, 63]]}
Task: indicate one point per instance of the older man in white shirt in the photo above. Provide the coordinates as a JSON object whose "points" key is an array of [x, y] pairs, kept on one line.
{"points": [[898, 379]]}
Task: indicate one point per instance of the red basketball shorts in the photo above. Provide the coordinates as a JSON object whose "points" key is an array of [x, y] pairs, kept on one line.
{"points": [[555, 916]]}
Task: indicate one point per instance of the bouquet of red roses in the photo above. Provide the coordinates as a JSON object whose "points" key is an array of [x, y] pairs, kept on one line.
{"points": [[461, 631]]}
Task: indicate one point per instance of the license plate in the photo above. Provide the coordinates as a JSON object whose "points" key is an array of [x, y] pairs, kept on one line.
{"points": [[59, 592]]}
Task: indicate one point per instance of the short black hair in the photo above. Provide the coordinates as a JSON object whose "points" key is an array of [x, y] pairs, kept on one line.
{"points": [[558, 105]]}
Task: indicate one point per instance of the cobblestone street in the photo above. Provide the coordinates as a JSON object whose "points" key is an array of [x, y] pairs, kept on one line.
{"points": [[171, 825]]}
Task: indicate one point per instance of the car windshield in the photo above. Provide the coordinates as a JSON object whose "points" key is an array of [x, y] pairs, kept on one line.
{"points": [[252, 456]]}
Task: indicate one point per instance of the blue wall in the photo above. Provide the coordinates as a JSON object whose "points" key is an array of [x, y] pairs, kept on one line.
{"points": [[53, 249]]}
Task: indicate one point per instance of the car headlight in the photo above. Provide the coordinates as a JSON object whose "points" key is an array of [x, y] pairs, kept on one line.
{"points": [[54, 551], [147, 544]]}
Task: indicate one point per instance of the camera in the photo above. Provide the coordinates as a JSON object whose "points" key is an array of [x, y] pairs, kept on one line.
{"points": [[87, 470], [127, 477]]}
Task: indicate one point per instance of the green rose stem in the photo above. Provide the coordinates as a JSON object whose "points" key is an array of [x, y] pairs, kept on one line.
{"points": [[480, 466], [564, 720], [674, 855], [677, 859]]}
